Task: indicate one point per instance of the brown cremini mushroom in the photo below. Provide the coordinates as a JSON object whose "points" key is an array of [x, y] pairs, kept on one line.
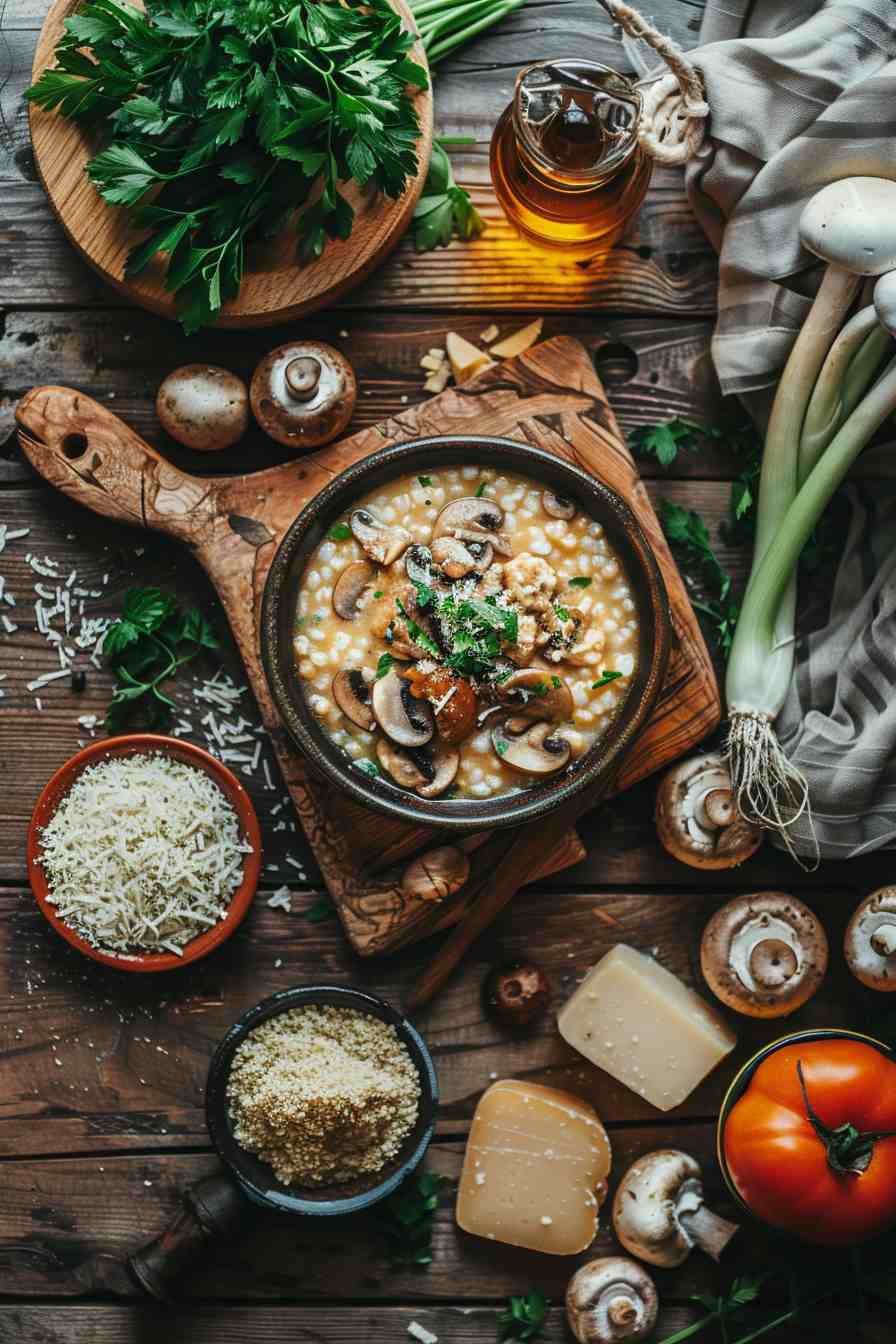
{"points": [[203, 407], [303, 393], [557, 506], [697, 820], [516, 994], [382, 541], [537, 751], [659, 1213], [764, 955], [350, 589], [407, 721], [351, 691], [537, 694], [475, 520], [610, 1300], [437, 874], [870, 941]]}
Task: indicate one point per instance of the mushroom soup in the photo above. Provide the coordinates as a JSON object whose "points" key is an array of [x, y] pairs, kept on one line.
{"points": [[465, 633]]}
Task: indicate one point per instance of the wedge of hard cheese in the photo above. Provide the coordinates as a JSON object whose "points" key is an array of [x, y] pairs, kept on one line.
{"points": [[638, 1022], [535, 1169]]}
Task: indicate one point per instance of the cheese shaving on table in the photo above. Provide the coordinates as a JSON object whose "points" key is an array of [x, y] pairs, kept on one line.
{"points": [[142, 854]]}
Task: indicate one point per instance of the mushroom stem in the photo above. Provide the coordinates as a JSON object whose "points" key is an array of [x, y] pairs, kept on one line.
{"points": [[773, 962], [707, 1230], [718, 807], [622, 1310], [883, 940], [302, 377]]}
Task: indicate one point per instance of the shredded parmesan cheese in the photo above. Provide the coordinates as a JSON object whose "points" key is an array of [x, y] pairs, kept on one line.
{"points": [[142, 854]]}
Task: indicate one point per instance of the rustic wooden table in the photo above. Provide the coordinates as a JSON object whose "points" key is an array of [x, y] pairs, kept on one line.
{"points": [[101, 1074]]}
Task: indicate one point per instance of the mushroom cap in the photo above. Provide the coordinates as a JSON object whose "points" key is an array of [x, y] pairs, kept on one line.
{"points": [[407, 721], [850, 223], [473, 519], [537, 751], [437, 874], [535, 694], [204, 407], [348, 590], [764, 955], [557, 506], [382, 541], [870, 935], [696, 818], [611, 1299], [885, 301], [648, 1202], [351, 692], [280, 393]]}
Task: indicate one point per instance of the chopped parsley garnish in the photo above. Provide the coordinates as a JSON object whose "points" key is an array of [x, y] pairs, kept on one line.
{"points": [[580, 581], [563, 613], [501, 745], [556, 683], [425, 595], [425, 480], [379, 593], [417, 633], [340, 532], [369, 767], [480, 489], [604, 680], [384, 665]]}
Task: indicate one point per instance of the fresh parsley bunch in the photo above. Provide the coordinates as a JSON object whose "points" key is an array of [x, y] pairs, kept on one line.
{"points": [[225, 117], [147, 644]]}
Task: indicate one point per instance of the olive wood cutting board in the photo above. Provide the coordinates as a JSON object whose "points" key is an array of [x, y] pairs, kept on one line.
{"points": [[551, 397], [274, 288]]}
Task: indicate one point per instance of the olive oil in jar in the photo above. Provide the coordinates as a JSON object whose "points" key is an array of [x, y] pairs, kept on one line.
{"points": [[566, 164]]}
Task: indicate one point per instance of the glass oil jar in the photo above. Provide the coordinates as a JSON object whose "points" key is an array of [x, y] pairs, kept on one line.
{"points": [[566, 163]]}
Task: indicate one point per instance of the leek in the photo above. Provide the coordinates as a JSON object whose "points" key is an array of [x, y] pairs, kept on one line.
{"points": [[444, 25]]}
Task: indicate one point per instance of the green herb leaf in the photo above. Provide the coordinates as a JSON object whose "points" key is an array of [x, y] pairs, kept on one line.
{"points": [[321, 909], [406, 1219], [480, 490], [369, 768], [416, 632], [604, 680], [340, 532], [147, 644], [581, 581], [425, 480], [664, 442], [379, 593], [524, 1317], [444, 208], [708, 584], [385, 664]]}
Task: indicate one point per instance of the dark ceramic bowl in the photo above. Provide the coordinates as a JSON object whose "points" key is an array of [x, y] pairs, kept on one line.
{"points": [[255, 1178], [744, 1076], [310, 528]]}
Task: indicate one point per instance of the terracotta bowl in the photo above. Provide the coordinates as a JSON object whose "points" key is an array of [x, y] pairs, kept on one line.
{"points": [[594, 498], [141, 744], [254, 1177]]}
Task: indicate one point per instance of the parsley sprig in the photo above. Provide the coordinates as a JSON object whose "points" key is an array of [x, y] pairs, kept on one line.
{"points": [[406, 1219], [444, 209], [524, 1316], [223, 118], [145, 647]]}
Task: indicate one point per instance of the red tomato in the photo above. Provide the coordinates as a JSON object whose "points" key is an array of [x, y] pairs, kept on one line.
{"points": [[818, 1160]]}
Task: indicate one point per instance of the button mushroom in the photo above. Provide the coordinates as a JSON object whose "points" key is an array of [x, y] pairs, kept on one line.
{"points": [[428, 771], [383, 542], [870, 942], [456, 558], [203, 407], [303, 393], [535, 752], [764, 955], [437, 874], [516, 994], [352, 694], [473, 520], [349, 590], [610, 1300], [659, 1213], [407, 721], [418, 564], [537, 694], [556, 506], [696, 817]]}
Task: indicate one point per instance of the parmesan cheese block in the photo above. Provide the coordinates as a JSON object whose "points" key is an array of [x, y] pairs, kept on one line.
{"points": [[638, 1022], [535, 1169]]}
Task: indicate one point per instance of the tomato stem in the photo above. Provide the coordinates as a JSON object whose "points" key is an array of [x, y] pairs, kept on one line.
{"points": [[849, 1151]]}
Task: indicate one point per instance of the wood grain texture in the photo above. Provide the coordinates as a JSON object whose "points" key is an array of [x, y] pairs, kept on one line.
{"points": [[133, 1057], [550, 396], [274, 288]]}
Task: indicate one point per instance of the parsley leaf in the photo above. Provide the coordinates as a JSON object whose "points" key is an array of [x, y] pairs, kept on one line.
{"points": [[384, 665], [604, 680], [339, 532], [444, 209], [425, 480], [321, 909], [708, 583], [416, 632], [406, 1219], [225, 122], [480, 490], [664, 442], [580, 581], [524, 1317], [146, 645]]}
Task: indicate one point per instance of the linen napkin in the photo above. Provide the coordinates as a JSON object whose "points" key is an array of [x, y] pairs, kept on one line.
{"points": [[803, 92]]}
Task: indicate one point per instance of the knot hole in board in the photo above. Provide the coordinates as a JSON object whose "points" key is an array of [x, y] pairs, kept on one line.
{"points": [[616, 363]]}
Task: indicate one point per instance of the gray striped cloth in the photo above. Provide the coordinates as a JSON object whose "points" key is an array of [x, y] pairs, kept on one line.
{"points": [[803, 92]]}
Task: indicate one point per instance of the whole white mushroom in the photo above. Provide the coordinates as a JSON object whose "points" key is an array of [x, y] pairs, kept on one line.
{"points": [[611, 1299]]}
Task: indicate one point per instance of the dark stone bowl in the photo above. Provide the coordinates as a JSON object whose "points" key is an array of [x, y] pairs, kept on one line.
{"points": [[254, 1177], [422, 455]]}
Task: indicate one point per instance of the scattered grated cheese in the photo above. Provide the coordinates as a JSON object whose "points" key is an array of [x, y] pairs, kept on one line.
{"points": [[421, 1333], [281, 900], [142, 853]]}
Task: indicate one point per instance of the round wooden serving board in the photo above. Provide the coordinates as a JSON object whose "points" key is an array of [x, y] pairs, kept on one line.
{"points": [[275, 287]]}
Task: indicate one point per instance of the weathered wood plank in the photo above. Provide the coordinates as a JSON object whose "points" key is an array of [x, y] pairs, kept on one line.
{"points": [[652, 368], [55, 1215], [132, 1324], [96, 1060]]}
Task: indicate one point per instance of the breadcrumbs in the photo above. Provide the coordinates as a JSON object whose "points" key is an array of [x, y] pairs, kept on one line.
{"points": [[324, 1095]]}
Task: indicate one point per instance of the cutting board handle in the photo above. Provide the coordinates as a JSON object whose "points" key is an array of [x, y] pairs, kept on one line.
{"points": [[92, 456]]}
